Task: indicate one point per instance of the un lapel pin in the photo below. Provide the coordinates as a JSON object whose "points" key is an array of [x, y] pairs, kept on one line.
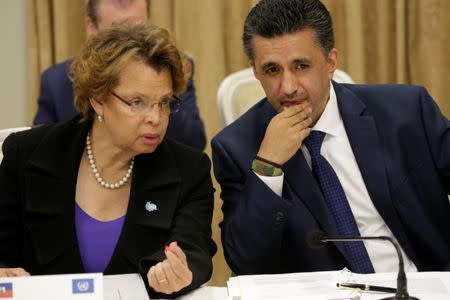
{"points": [[149, 206]]}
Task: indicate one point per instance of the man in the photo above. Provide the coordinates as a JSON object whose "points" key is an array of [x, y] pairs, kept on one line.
{"points": [[346, 159], [55, 103]]}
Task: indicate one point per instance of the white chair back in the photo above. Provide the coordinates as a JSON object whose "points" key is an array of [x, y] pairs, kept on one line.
{"points": [[241, 90], [4, 133]]}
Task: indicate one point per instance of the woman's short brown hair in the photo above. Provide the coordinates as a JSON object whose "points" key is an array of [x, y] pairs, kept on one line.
{"points": [[96, 71]]}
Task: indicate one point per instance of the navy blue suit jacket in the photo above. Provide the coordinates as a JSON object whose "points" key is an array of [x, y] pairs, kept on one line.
{"points": [[401, 143], [55, 104]]}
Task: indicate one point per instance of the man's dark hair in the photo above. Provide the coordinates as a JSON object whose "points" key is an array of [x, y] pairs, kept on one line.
{"points": [[271, 18], [91, 10]]}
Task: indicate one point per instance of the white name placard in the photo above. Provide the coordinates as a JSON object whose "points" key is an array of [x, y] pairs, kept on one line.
{"points": [[87, 286]]}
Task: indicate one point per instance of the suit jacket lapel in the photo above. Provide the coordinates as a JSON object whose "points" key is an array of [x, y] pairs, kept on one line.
{"points": [[51, 176], [154, 196], [299, 180], [365, 142]]}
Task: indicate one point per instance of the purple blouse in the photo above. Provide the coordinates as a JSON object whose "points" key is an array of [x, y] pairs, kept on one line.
{"points": [[96, 240]]}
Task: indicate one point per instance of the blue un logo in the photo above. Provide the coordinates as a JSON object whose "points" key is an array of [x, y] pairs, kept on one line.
{"points": [[82, 286]]}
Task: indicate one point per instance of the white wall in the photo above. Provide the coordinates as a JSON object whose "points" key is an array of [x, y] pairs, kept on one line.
{"points": [[13, 67]]}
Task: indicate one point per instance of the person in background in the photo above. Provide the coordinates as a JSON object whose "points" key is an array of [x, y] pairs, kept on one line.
{"points": [[55, 102], [349, 160], [107, 191]]}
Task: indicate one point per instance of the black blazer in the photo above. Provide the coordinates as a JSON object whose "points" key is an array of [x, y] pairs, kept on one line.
{"points": [[38, 178]]}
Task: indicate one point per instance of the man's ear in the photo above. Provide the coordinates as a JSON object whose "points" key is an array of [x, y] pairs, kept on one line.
{"points": [[91, 28], [332, 62], [252, 64]]}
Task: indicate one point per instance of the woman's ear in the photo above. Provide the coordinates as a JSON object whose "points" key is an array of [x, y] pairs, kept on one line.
{"points": [[97, 105]]}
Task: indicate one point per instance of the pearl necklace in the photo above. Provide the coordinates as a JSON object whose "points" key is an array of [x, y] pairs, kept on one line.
{"points": [[99, 178]]}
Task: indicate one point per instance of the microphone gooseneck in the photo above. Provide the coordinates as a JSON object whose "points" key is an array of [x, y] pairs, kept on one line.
{"points": [[317, 239]]}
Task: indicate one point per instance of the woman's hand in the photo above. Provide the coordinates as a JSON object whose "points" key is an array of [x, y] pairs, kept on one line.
{"points": [[172, 274], [13, 272]]}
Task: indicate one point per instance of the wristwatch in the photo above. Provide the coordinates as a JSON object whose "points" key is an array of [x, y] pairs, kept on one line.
{"points": [[264, 169]]}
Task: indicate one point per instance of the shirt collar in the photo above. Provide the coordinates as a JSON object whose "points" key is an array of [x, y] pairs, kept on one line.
{"points": [[330, 121]]}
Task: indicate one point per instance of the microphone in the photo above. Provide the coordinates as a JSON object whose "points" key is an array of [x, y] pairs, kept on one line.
{"points": [[317, 239]]}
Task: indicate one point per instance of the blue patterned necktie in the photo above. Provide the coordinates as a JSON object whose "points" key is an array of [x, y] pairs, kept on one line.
{"points": [[337, 204]]}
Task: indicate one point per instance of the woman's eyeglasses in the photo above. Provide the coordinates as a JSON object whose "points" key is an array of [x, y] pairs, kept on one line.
{"points": [[138, 105]]}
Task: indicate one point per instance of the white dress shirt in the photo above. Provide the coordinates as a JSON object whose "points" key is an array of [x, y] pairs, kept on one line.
{"points": [[337, 151]]}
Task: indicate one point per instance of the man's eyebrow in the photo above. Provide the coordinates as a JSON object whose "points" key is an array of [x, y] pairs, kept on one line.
{"points": [[268, 64], [302, 61]]}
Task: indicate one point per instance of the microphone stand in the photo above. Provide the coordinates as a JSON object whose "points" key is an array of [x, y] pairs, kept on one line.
{"points": [[402, 290]]}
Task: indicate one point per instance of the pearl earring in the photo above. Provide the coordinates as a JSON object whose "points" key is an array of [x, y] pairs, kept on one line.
{"points": [[100, 118]]}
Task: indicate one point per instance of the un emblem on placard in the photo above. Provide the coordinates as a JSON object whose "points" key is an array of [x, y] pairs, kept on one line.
{"points": [[82, 286]]}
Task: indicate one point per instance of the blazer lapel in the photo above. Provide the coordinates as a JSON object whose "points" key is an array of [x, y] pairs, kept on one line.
{"points": [[157, 182], [51, 176], [155, 192], [299, 180], [365, 142]]}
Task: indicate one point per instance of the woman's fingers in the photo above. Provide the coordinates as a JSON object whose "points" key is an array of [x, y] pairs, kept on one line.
{"points": [[156, 280], [179, 268], [13, 272], [172, 274]]}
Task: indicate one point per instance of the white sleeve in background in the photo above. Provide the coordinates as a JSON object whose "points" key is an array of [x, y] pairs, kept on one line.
{"points": [[275, 183]]}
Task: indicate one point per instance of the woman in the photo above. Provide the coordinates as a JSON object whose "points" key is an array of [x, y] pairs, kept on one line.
{"points": [[105, 192]]}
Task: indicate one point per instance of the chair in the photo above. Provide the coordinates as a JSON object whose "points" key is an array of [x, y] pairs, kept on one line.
{"points": [[4, 133], [241, 90]]}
